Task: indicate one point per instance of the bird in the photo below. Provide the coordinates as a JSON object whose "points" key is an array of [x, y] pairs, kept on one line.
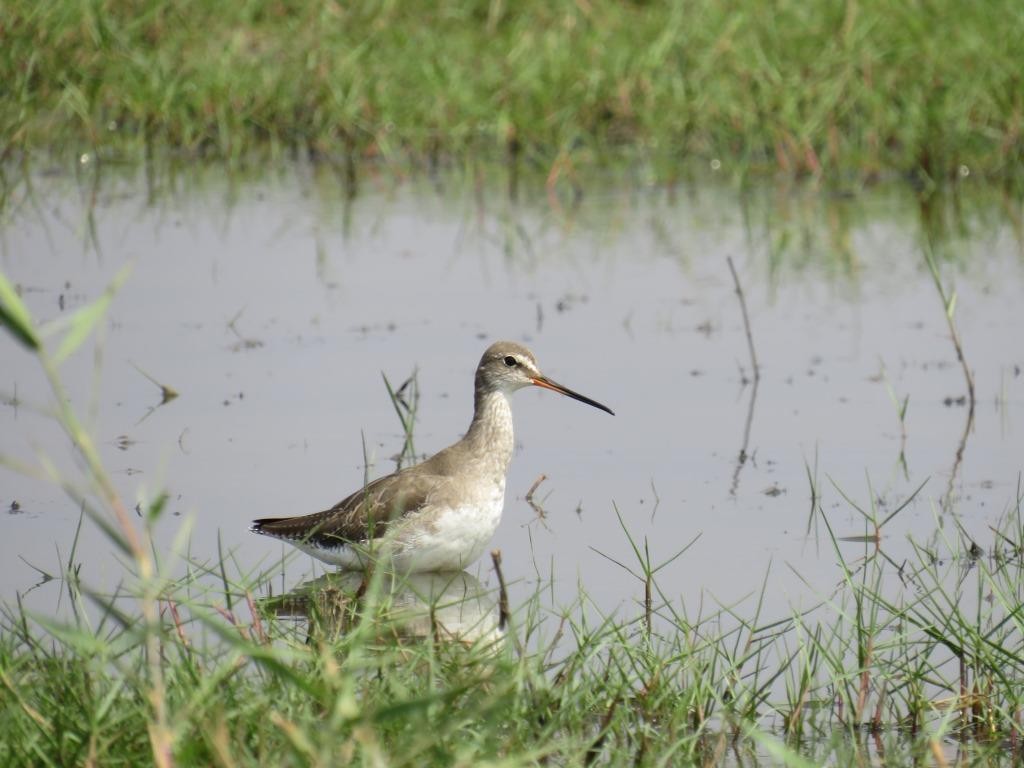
{"points": [[438, 515]]}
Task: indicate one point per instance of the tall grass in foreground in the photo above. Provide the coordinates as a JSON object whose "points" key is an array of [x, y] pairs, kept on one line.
{"points": [[900, 660], [800, 87]]}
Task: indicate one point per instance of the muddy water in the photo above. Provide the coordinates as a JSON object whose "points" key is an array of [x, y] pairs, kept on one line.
{"points": [[273, 306]]}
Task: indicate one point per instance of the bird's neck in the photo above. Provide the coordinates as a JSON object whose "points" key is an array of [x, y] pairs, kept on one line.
{"points": [[490, 434]]}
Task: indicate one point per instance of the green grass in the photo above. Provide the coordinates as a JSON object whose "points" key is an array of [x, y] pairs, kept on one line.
{"points": [[861, 87]]}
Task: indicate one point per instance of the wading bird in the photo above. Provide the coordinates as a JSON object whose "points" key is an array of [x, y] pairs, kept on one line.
{"points": [[438, 515]]}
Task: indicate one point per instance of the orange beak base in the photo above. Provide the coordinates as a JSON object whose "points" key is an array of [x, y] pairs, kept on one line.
{"points": [[546, 383]]}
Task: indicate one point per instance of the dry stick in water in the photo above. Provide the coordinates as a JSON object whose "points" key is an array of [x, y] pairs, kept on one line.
{"points": [[742, 458], [503, 611], [537, 508], [949, 305], [746, 320], [502, 591]]}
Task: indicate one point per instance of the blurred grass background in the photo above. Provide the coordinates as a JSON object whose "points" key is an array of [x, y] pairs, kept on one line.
{"points": [[835, 87]]}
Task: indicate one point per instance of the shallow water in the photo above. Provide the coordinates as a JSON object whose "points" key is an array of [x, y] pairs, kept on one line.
{"points": [[273, 306]]}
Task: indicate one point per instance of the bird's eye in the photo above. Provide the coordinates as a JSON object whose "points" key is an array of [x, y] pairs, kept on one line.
{"points": [[511, 362]]}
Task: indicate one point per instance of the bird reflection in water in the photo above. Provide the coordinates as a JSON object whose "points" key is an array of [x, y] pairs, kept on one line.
{"points": [[447, 607]]}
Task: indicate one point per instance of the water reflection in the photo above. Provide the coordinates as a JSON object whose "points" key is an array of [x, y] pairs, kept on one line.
{"points": [[448, 607], [794, 225], [742, 457], [273, 299]]}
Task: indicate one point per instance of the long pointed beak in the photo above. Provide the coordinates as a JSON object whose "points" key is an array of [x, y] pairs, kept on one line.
{"points": [[546, 383]]}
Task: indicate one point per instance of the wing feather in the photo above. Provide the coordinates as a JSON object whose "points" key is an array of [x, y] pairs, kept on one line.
{"points": [[365, 514]]}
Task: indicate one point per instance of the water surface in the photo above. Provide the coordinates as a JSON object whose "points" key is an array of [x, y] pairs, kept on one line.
{"points": [[274, 305]]}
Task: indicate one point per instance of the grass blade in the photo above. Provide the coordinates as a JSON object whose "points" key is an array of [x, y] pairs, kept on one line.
{"points": [[14, 315], [85, 319]]}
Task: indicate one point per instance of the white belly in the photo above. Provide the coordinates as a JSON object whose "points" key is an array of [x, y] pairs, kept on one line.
{"points": [[451, 541], [448, 539]]}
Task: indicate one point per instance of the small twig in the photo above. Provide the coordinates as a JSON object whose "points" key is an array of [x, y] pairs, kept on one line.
{"points": [[166, 393], [504, 615], [503, 612], [529, 497], [244, 342], [949, 305], [537, 482], [741, 459], [406, 410], [746, 319]]}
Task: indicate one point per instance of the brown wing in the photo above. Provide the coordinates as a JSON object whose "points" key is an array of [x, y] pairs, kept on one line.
{"points": [[356, 518]]}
